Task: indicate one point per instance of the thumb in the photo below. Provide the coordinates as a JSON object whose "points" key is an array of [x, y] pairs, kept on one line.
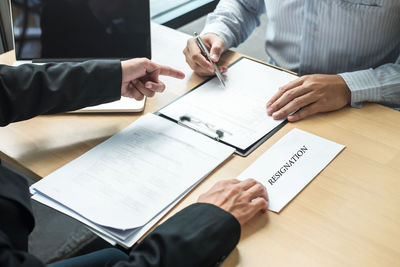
{"points": [[216, 50]]}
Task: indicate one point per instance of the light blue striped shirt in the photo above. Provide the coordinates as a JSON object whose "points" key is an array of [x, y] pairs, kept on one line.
{"points": [[358, 39]]}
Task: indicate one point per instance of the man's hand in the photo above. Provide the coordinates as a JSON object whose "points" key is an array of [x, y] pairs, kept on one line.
{"points": [[197, 61], [243, 199], [311, 94], [140, 77]]}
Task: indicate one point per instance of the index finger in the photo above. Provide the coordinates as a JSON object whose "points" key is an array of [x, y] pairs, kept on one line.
{"points": [[168, 71], [283, 89], [248, 183], [256, 191]]}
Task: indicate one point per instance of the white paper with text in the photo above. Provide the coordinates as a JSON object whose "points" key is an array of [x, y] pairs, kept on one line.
{"points": [[290, 164], [239, 109], [131, 177]]}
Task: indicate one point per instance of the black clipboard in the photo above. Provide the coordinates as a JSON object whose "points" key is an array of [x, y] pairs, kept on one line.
{"points": [[239, 151]]}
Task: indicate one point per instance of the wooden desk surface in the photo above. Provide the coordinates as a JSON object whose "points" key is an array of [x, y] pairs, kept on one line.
{"points": [[348, 215]]}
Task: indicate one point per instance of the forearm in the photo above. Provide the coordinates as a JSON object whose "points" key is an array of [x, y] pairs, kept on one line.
{"points": [[200, 235], [30, 90], [234, 20], [380, 85]]}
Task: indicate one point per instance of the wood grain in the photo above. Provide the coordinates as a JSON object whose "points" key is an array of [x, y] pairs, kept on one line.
{"points": [[348, 215]]}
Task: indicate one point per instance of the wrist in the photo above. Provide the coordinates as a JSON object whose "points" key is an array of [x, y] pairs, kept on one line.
{"points": [[344, 88]]}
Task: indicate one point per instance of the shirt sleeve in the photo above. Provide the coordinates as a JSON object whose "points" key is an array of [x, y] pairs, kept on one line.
{"points": [[234, 20], [30, 90], [380, 85]]}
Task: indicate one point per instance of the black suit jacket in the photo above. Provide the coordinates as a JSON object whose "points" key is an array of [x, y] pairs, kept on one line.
{"points": [[200, 235]]}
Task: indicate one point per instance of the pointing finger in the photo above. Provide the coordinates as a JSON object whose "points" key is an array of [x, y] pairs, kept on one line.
{"points": [[168, 71]]}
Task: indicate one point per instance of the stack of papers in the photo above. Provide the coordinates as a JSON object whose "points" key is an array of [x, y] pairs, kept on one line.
{"points": [[123, 186]]}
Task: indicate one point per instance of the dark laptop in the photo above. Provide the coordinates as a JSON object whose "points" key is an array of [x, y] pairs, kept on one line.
{"points": [[77, 30]]}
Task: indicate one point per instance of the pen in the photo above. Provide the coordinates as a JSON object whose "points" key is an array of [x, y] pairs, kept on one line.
{"points": [[203, 49]]}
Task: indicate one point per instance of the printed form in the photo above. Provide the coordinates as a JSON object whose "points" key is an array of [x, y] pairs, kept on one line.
{"points": [[239, 109], [130, 178]]}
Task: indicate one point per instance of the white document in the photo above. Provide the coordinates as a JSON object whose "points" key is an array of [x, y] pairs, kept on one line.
{"points": [[239, 109], [127, 239], [290, 164], [131, 177]]}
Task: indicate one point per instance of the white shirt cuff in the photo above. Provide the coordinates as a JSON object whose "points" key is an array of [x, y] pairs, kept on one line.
{"points": [[363, 87], [221, 30]]}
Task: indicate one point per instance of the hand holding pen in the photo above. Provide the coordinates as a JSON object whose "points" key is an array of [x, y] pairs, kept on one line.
{"points": [[198, 62], [205, 52]]}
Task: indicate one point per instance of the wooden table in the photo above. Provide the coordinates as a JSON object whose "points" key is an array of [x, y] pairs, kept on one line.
{"points": [[349, 215]]}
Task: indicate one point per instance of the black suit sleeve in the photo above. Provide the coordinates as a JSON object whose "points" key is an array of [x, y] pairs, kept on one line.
{"points": [[200, 235], [10, 257], [14, 237], [30, 90], [16, 221]]}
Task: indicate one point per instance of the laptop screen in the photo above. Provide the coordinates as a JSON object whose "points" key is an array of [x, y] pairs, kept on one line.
{"points": [[81, 29]]}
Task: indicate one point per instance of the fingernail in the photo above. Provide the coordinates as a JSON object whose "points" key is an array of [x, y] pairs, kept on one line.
{"points": [[291, 118], [214, 56], [149, 86], [275, 115]]}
